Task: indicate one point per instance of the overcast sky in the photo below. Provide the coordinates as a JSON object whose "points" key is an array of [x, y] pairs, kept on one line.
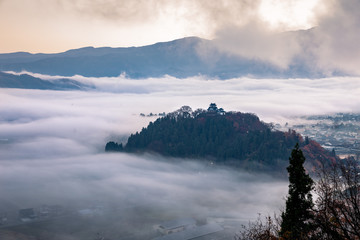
{"points": [[249, 28], [59, 25]]}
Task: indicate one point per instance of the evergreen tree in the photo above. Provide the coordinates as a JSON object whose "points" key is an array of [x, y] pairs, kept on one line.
{"points": [[113, 147], [296, 220], [333, 153]]}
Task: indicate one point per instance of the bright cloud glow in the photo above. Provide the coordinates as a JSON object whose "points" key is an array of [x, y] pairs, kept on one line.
{"points": [[54, 26], [288, 15]]}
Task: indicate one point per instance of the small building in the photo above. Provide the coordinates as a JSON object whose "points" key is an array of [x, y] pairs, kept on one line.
{"points": [[27, 214], [194, 232], [86, 212], [44, 211], [176, 225], [212, 107], [91, 212], [50, 210], [3, 218], [56, 210], [221, 111], [214, 110]]}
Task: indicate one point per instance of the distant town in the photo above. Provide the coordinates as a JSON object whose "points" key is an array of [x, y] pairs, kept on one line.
{"points": [[340, 131]]}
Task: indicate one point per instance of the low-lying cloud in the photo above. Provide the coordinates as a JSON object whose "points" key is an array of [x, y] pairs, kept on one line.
{"points": [[271, 99], [52, 144], [188, 188]]}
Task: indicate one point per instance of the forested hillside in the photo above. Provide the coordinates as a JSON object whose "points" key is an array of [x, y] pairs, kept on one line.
{"points": [[231, 138]]}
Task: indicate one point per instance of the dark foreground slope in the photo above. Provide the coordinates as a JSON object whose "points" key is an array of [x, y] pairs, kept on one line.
{"points": [[233, 138]]}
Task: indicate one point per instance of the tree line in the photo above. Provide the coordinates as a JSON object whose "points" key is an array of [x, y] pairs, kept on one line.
{"points": [[234, 138]]}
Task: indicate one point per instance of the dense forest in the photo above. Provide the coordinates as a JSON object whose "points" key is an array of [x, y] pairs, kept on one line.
{"points": [[231, 138]]}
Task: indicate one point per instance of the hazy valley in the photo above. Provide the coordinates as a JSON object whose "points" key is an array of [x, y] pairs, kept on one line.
{"points": [[52, 154]]}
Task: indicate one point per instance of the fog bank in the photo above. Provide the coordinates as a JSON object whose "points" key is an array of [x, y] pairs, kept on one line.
{"points": [[52, 144]]}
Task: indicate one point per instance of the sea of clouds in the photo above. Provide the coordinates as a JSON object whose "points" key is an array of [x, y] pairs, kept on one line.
{"points": [[52, 142]]}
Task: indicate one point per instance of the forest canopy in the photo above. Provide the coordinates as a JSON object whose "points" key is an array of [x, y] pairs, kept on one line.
{"points": [[230, 138]]}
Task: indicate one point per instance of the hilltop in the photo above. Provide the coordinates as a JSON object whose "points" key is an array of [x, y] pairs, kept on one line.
{"points": [[225, 138]]}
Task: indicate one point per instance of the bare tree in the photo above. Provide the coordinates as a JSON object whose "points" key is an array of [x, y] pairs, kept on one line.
{"points": [[337, 207], [260, 229], [336, 210]]}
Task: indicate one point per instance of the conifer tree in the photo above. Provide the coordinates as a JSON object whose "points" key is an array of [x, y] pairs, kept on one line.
{"points": [[296, 220]]}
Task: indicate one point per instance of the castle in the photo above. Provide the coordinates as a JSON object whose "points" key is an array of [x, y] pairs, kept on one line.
{"points": [[213, 109]]}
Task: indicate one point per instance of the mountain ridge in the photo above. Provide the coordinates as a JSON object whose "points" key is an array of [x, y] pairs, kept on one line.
{"points": [[181, 58]]}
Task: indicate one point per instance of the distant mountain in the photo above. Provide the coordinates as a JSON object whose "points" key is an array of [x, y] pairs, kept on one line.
{"points": [[179, 58], [29, 82], [226, 138]]}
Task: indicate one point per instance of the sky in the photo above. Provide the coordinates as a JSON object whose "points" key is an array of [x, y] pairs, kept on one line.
{"points": [[267, 30], [58, 25]]}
